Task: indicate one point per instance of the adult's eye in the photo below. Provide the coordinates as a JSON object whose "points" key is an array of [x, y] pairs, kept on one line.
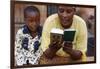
{"points": [[61, 10], [69, 11]]}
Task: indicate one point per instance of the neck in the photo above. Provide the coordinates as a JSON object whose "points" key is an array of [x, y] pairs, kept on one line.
{"points": [[33, 34]]}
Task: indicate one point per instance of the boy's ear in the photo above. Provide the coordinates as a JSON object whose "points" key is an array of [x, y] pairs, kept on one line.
{"points": [[75, 9], [24, 19]]}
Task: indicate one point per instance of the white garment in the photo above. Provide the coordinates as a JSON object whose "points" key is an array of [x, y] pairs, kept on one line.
{"points": [[21, 54]]}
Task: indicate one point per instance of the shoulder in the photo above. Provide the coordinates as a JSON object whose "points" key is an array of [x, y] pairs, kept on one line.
{"points": [[52, 17], [51, 20], [20, 31], [78, 19], [80, 24], [23, 30], [19, 34]]}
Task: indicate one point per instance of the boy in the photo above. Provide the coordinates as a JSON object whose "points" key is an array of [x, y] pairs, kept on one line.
{"points": [[27, 41]]}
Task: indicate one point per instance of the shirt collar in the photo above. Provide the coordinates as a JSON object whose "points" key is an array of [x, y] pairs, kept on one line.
{"points": [[27, 31]]}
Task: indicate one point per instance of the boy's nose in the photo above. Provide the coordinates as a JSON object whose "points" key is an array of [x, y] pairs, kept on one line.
{"points": [[32, 23]]}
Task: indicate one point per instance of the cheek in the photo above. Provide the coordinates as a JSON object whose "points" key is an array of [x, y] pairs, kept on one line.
{"points": [[60, 15], [30, 25], [34, 26], [71, 16]]}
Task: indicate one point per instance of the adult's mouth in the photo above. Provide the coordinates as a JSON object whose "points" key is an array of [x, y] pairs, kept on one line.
{"points": [[65, 21]]}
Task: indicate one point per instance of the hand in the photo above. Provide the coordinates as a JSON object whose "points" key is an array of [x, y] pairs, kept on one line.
{"points": [[75, 54], [67, 46], [55, 45], [53, 48]]}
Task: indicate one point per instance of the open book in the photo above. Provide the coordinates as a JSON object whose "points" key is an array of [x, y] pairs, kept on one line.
{"points": [[65, 35]]}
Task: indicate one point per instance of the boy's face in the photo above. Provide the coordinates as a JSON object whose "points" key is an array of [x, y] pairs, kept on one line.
{"points": [[66, 15], [32, 20]]}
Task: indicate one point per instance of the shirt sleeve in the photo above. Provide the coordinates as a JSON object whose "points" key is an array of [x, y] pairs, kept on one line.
{"points": [[19, 60], [48, 25], [81, 39]]}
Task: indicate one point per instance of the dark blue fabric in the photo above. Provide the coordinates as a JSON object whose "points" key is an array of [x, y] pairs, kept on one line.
{"points": [[36, 46], [26, 40], [39, 29], [91, 47], [27, 31], [25, 43]]}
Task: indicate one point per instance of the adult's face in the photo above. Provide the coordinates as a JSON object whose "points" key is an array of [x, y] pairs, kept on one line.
{"points": [[65, 14], [32, 20]]}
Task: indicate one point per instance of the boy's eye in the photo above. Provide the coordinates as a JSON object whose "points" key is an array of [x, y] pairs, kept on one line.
{"points": [[31, 20], [61, 10]]}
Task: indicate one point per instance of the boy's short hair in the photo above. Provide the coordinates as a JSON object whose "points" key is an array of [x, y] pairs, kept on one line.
{"points": [[31, 9]]}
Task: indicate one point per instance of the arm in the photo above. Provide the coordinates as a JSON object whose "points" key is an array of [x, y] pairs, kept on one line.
{"points": [[80, 45], [18, 55], [51, 51], [48, 48], [81, 42], [75, 54]]}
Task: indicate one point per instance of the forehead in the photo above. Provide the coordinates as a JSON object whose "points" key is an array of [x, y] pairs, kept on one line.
{"points": [[32, 13], [65, 7]]}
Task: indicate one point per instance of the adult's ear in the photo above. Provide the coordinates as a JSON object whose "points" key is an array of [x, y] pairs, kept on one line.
{"points": [[74, 8]]}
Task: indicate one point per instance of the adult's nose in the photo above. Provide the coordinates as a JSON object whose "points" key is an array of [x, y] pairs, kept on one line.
{"points": [[64, 14]]}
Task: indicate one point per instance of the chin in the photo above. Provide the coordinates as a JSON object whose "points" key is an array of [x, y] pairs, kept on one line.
{"points": [[65, 26], [32, 30]]}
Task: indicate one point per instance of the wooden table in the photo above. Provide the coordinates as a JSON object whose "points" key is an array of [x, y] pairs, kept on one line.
{"points": [[62, 60], [90, 58]]}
